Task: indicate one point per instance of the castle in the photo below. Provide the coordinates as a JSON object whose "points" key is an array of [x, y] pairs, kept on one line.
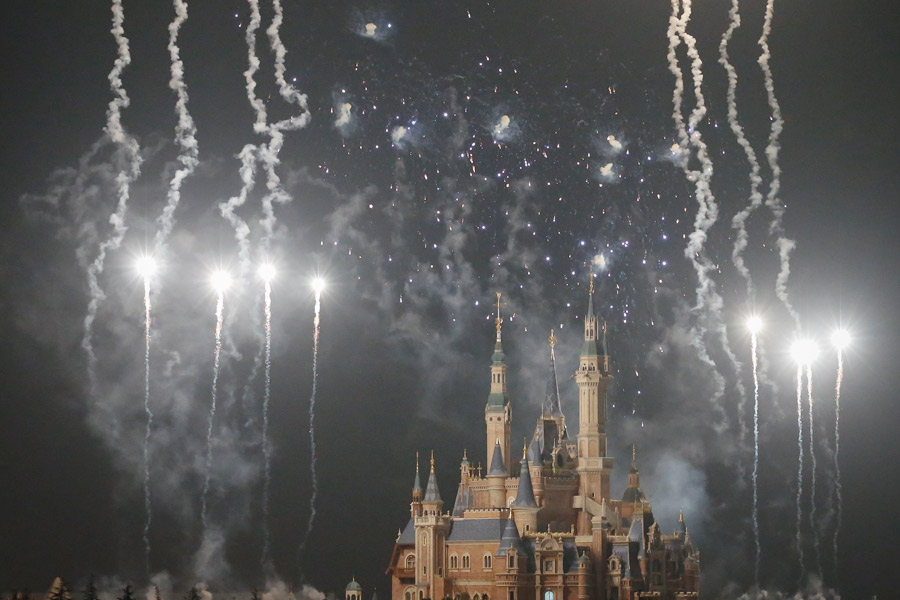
{"points": [[543, 527]]}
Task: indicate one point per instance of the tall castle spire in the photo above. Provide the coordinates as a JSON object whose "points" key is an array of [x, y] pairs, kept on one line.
{"points": [[552, 407], [593, 380], [497, 413]]}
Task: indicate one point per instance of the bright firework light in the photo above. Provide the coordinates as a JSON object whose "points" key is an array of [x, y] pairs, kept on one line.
{"points": [[267, 272], [754, 325], [220, 280], [804, 352], [146, 267], [318, 285]]}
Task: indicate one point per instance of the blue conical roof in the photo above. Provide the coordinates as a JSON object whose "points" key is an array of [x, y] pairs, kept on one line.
{"points": [[510, 537], [431, 490], [497, 465], [525, 494]]}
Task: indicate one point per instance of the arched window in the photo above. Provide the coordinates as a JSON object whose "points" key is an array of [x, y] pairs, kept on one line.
{"points": [[476, 597], [421, 595], [454, 561], [510, 561], [411, 561], [548, 595], [407, 596], [465, 562], [487, 561]]}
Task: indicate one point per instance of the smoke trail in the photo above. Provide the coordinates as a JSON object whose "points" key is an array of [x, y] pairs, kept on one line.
{"points": [[249, 155], [800, 473], [220, 309], [709, 302], [812, 455], [185, 130], [738, 223], [837, 449], [312, 429], [270, 151], [755, 361], [785, 245], [147, 503], [130, 152], [265, 431]]}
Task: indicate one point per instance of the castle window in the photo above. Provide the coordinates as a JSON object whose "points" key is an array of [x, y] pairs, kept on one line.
{"points": [[411, 561], [465, 562], [406, 596], [512, 595], [487, 561], [548, 568], [476, 597], [511, 561], [454, 561], [548, 595]]}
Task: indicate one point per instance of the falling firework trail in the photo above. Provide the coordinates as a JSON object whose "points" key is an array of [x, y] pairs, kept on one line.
{"points": [[708, 299], [812, 456], [837, 449], [185, 130], [785, 245], [800, 473], [220, 310], [265, 431], [312, 429], [755, 361], [131, 151], [739, 222], [147, 504]]}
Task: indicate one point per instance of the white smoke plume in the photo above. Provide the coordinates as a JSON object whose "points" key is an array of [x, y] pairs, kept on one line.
{"points": [[739, 221], [129, 153], [785, 245], [398, 134], [185, 131], [615, 144]]}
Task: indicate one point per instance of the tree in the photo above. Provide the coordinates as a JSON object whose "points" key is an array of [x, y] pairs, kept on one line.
{"points": [[127, 593], [255, 595], [59, 590], [90, 590], [156, 594], [194, 594]]}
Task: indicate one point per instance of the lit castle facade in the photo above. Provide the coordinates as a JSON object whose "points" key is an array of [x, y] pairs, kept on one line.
{"points": [[543, 526]]}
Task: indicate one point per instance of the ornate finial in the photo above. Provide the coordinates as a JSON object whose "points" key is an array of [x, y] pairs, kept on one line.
{"points": [[417, 461], [552, 339], [681, 516], [499, 319], [633, 456], [591, 284], [524, 448], [432, 461], [465, 455]]}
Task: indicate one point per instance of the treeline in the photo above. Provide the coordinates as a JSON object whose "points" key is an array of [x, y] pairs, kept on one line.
{"points": [[60, 591]]}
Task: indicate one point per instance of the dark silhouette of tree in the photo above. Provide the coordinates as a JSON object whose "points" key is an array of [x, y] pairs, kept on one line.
{"points": [[255, 595], [127, 593], [59, 590], [90, 590], [156, 594], [194, 594]]}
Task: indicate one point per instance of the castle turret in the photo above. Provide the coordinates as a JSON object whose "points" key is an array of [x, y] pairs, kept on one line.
{"points": [[431, 529], [497, 478], [593, 380], [525, 508], [497, 412], [432, 502]]}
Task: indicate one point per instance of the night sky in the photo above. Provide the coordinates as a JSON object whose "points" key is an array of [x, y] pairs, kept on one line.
{"points": [[453, 150]]}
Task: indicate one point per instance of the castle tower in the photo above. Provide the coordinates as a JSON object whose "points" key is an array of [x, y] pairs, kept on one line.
{"points": [[497, 413], [593, 380], [497, 478], [431, 529]]}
